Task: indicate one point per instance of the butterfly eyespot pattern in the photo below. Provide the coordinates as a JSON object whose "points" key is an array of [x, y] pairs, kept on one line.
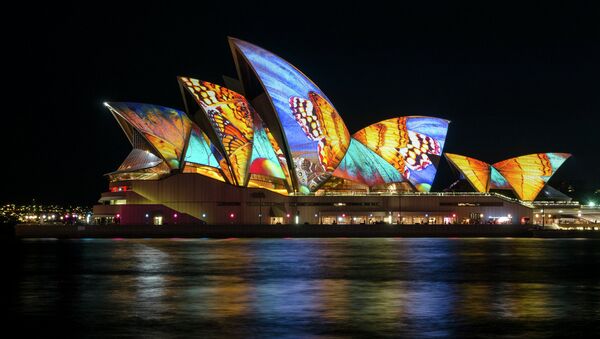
{"points": [[415, 152], [321, 122], [306, 117], [406, 150]]}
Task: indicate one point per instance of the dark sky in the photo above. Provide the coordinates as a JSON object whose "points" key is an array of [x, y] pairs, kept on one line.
{"points": [[512, 79]]}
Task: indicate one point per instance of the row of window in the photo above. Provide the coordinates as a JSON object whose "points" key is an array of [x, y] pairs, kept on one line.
{"points": [[295, 204], [473, 204], [338, 204]]}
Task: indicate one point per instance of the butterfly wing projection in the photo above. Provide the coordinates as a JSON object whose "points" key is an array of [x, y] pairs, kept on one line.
{"points": [[322, 139], [427, 136], [280, 155], [408, 143], [309, 174], [231, 137], [387, 138], [497, 181], [336, 140], [235, 143], [163, 127], [231, 117], [416, 152], [321, 122], [305, 115], [528, 174], [209, 94], [475, 171], [364, 166]]}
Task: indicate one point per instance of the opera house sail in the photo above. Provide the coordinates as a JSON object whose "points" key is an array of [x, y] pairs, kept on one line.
{"points": [[525, 175]]}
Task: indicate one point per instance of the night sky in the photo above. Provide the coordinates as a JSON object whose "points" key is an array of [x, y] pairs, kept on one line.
{"points": [[513, 80]]}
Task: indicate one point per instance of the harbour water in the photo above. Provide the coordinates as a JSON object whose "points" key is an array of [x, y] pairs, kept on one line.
{"points": [[299, 288]]}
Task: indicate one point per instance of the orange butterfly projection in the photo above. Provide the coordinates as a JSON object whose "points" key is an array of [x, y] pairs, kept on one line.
{"points": [[320, 122], [527, 175], [230, 114], [475, 171], [404, 149]]}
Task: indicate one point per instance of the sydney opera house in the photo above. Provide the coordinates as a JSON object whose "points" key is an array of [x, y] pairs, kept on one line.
{"points": [[270, 147]]}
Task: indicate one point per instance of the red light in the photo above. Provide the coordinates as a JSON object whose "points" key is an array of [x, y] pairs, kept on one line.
{"points": [[232, 215], [118, 215], [287, 215], [175, 215], [453, 215], [343, 215]]}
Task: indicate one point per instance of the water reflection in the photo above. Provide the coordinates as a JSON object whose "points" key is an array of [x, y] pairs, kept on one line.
{"points": [[312, 287]]}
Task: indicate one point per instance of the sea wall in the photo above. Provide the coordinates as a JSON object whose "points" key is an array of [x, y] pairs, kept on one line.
{"points": [[269, 231]]}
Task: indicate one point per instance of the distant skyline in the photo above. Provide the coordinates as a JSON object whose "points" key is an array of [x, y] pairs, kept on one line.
{"points": [[512, 81]]}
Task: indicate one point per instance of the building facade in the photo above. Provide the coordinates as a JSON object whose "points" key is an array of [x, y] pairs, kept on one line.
{"points": [[186, 198]]}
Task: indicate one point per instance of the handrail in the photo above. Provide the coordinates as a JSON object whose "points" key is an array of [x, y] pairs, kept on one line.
{"points": [[416, 194]]}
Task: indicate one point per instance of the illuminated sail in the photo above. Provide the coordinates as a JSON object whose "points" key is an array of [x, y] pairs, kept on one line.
{"points": [[364, 166], [165, 128], [203, 158], [497, 181], [231, 116], [475, 171], [264, 158], [313, 130], [412, 144], [528, 174]]}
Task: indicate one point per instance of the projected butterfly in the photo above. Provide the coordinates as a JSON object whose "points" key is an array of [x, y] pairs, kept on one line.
{"points": [[277, 149], [208, 93], [165, 128], [321, 122], [230, 104], [236, 144], [406, 150], [416, 150], [231, 137], [386, 138], [526, 174], [475, 171]]}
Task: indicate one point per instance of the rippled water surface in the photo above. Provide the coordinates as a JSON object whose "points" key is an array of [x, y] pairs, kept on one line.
{"points": [[305, 287]]}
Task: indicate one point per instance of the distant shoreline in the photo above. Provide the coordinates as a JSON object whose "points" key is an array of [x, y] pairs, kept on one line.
{"points": [[27, 231]]}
